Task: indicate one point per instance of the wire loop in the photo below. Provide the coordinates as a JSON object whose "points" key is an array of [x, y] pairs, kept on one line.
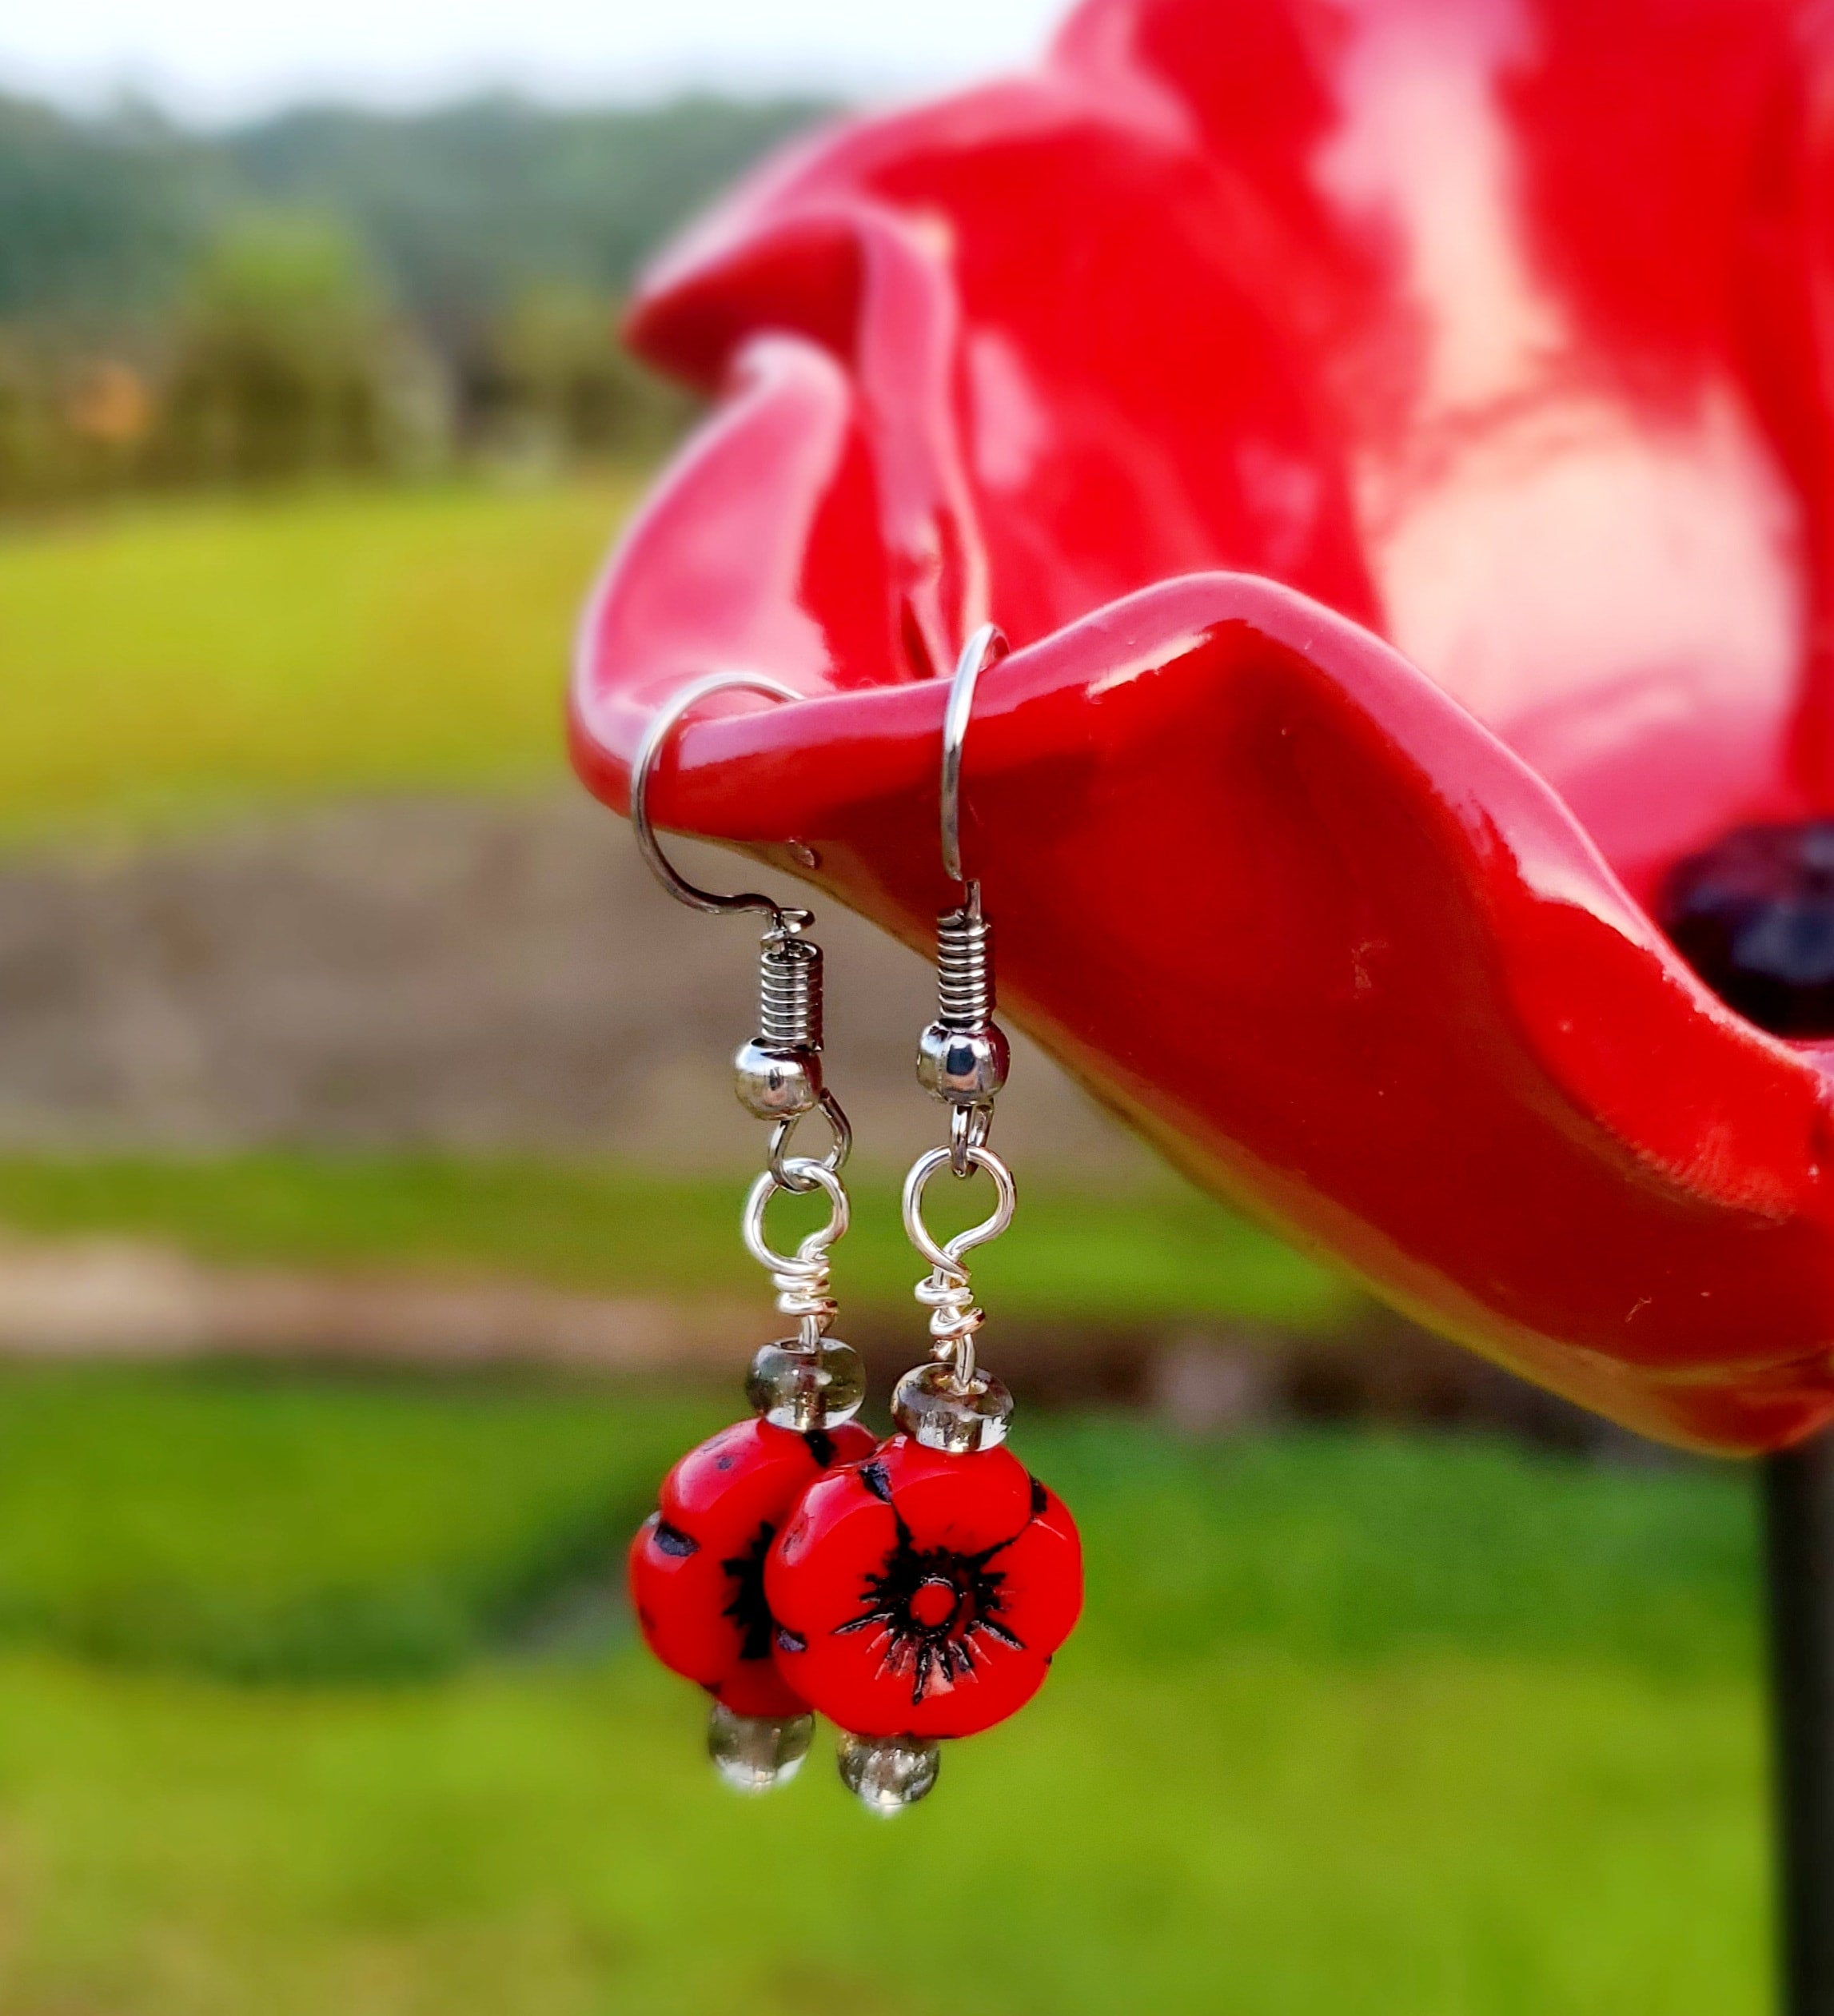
{"points": [[785, 1166], [948, 1256]]}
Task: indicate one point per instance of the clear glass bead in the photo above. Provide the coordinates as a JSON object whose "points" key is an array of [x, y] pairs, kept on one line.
{"points": [[795, 1386], [932, 1410], [886, 1774], [752, 1753]]}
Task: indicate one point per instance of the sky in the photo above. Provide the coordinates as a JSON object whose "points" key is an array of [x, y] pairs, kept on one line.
{"points": [[219, 59]]}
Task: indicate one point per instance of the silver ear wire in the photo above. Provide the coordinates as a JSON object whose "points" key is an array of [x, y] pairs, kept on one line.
{"points": [[661, 725], [987, 647], [777, 1074], [962, 1059], [811, 1380]]}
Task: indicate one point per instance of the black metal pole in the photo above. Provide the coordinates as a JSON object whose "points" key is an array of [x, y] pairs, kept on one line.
{"points": [[1798, 1546]]}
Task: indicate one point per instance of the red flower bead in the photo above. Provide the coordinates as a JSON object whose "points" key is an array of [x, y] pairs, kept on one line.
{"points": [[697, 1564], [923, 1594]]}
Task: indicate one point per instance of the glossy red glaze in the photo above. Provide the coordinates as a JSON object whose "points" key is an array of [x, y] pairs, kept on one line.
{"points": [[696, 1564], [1395, 434], [924, 1595]]}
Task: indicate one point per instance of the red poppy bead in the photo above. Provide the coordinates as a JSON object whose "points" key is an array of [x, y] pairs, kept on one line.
{"points": [[922, 1594], [696, 1565]]}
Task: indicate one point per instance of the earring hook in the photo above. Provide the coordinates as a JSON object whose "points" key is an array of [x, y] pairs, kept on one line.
{"points": [[986, 646], [656, 734]]}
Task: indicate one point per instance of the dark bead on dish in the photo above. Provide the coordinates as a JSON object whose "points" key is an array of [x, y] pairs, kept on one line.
{"points": [[1753, 915]]}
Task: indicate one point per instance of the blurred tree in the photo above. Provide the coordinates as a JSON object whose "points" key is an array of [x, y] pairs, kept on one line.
{"points": [[285, 362], [23, 426], [99, 216], [557, 383], [459, 208], [324, 289], [465, 207]]}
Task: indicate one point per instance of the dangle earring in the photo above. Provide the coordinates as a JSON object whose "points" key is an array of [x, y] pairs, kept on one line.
{"points": [[921, 1594], [697, 1564]]}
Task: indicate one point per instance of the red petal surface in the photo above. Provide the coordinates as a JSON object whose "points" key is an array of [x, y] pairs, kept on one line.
{"points": [[713, 1504], [850, 1682], [963, 1502], [822, 1577], [679, 1600], [1043, 1572], [747, 1475], [1368, 296], [846, 1531], [754, 1687]]}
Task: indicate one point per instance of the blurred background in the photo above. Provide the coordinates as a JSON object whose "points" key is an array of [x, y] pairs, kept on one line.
{"points": [[369, 1183]]}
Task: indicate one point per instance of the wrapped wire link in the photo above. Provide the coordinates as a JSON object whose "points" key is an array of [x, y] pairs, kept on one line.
{"points": [[947, 1292], [955, 1316], [802, 1280]]}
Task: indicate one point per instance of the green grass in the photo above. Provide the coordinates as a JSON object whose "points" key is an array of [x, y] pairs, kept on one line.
{"points": [[298, 1528], [1455, 1837], [305, 1525], [1424, 1727], [1162, 1254], [167, 663]]}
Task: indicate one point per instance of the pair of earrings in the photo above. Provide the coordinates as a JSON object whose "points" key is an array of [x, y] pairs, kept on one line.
{"points": [[911, 1590]]}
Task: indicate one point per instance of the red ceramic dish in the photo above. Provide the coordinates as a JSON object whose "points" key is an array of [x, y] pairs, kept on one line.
{"points": [[1394, 434]]}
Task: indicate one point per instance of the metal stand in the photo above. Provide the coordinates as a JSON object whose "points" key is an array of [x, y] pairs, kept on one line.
{"points": [[1799, 1537]]}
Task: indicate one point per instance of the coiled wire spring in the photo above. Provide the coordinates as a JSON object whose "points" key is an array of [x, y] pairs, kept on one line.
{"points": [[964, 968], [789, 991]]}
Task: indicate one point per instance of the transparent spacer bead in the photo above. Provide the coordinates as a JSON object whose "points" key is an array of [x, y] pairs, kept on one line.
{"points": [[886, 1774], [804, 1387], [753, 1753], [932, 1410]]}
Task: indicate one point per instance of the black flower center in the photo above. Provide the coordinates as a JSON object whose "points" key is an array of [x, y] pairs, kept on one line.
{"points": [[747, 1608], [1754, 916], [933, 1610]]}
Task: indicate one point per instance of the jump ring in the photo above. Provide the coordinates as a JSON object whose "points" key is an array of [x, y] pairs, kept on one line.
{"points": [[968, 1130]]}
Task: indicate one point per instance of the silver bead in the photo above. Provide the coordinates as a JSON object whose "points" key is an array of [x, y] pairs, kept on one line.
{"points": [[886, 1774], [753, 1753], [965, 1066], [776, 1083], [931, 1410], [795, 1386]]}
